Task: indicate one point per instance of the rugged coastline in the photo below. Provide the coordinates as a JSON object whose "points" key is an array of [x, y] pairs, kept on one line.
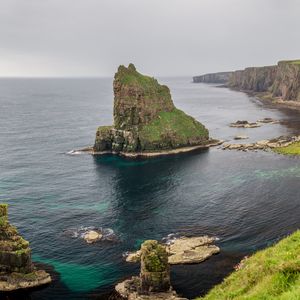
{"points": [[278, 84]]}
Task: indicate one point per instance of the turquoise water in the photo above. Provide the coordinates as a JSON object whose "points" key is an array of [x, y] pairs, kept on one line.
{"points": [[248, 200]]}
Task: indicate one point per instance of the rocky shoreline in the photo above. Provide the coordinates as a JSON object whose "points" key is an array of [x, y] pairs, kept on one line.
{"points": [[149, 154], [266, 145]]}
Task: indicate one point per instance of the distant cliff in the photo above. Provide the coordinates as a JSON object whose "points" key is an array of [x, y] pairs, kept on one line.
{"points": [[221, 77], [281, 81], [146, 119]]}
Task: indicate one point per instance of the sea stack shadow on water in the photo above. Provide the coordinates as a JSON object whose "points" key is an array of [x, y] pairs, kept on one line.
{"points": [[146, 121]]}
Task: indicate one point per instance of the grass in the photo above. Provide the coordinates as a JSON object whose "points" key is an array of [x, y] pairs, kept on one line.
{"points": [[175, 126], [273, 273], [130, 76], [293, 62], [293, 149]]}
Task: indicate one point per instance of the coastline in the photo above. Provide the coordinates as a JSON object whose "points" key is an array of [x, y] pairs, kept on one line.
{"points": [[149, 154], [266, 98]]}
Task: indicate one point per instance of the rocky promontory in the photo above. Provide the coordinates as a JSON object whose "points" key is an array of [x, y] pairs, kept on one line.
{"points": [[146, 121], [221, 77], [279, 83], [16, 268]]}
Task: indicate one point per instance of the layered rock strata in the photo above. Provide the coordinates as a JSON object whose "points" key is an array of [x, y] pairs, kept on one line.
{"points": [[280, 82], [145, 118], [16, 268]]}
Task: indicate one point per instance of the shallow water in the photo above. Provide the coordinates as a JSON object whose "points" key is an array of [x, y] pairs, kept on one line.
{"points": [[248, 200]]}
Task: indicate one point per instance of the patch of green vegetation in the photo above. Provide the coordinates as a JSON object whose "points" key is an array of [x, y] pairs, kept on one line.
{"points": [[130, 76], [293, 149], [293, 62], [3, 210], [173, 126], [273, 273], [154, 256]]}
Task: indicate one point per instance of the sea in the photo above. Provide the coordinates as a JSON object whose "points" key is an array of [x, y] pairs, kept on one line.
{"points": [[247, 200]]}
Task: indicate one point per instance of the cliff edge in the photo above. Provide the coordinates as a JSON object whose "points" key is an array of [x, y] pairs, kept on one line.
{"points": [[145, 118]]}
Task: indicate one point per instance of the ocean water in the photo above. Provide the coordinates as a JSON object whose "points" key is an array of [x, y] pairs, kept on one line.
{"points": [[247, 199]]}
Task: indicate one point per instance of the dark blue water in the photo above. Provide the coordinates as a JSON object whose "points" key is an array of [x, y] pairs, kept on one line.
{"points": [[249, 200]]}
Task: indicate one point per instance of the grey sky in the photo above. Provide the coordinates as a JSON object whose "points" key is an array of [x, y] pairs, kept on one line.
{"points": [[162, 37]]}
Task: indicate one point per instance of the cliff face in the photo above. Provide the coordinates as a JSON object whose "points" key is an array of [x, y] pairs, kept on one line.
{"points": [[253, 79], [145, 118], [221, 77], [287, 81], [281, 81]]}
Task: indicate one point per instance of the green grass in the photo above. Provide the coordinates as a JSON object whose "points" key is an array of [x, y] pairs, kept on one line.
{"points": [[293, 62], [175, 126], [270, 274], [130, 76], [293, 149]]}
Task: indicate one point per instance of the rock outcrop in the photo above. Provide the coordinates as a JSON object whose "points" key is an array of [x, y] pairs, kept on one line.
{"points": [[280, 82], [145, 118], [185, 250], [154, 280], [221, 77], [253, 79], [16, 268]]}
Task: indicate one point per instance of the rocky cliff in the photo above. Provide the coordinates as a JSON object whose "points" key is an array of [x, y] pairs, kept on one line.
{"points": [[16, 268], [254, 79], [281, 81], [287, 82], [221, 77], [145, 118]]}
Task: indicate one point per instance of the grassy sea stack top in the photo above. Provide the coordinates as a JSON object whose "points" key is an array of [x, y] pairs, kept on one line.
{"points": [[138, 98], [146, 119]]}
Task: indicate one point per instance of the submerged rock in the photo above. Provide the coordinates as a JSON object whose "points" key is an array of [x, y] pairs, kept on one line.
{"points": [[146, 120], [245, 124], [92, 236], [16, 268], [241, 137]]}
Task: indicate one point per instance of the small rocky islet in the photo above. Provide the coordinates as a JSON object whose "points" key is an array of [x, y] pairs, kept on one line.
{"points": [[16, 268], [146, 121]]}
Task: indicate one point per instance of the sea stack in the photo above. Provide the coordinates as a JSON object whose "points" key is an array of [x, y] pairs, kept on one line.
{"points": [[154, 280], [16, 268], [146, 119]]}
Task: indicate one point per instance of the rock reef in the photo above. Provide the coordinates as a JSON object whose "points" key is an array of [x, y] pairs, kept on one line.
{"points": [[185, 250], [16, 268], [146, 120]]}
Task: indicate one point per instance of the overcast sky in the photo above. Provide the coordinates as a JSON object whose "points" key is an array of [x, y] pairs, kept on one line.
{"points": [[161, 37]]}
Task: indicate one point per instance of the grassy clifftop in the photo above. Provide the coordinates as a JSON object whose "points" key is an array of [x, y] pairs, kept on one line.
{"points": [[273, 273]]}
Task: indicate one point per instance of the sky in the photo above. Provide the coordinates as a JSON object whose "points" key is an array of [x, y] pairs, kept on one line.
{"points": [[77, 38]]}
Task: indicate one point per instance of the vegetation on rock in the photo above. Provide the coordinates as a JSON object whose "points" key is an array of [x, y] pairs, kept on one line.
{"points": [[273, 273], [293, 149], [16, 268], [145, 118]]}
